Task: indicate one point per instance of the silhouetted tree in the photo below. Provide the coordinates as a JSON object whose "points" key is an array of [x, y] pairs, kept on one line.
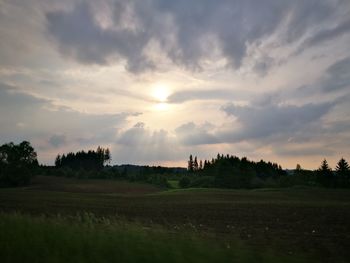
{"points": [[206, 164], [342, 167], [190, 164], [17, 163], [298, 167], [232, 172], [342, 171], [58, 161], [91, 160], [325, 174], [107, 156], [195, 164]]}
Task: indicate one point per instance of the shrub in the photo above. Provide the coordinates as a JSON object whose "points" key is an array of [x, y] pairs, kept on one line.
{"points": [[203, 181], [184, 182]]}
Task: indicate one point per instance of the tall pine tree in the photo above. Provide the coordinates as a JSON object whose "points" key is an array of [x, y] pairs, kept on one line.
{"points": [[325, 174], [190, 164], [195, 164], [343, 173]]}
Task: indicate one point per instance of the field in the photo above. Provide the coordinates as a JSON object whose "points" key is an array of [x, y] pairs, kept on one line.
{"points": [[266, 225]]}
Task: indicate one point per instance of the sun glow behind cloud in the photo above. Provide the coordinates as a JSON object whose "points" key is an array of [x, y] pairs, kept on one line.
{"points": [[161, 106], [160, 92]]}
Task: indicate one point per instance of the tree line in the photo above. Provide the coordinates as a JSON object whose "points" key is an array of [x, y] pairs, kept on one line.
{"points": [[92, 164], [340, 177], [90, 160], [155, 175], [18, 164], [228, 171]]}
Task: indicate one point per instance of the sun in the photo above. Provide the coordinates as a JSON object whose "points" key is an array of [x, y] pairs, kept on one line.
{"points": [[160, 93]]}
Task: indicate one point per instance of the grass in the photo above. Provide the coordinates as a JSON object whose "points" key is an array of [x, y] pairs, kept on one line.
{"points": [[297, 221], [87, 239], [174, 184], [73, 185]]}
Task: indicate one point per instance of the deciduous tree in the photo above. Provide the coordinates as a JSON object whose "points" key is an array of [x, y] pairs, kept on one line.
{"points": [[17, 163]]}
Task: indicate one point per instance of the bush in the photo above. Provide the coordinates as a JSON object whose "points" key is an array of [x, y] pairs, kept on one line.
{"points": [[159, 180], [257, 182], [203, 181], [184, 182]]}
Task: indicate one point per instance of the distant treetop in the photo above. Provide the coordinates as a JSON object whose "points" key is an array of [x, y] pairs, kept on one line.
{"points": [[90, 160]]}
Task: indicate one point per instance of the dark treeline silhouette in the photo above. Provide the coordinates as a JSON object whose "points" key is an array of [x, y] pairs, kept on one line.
{"points": [[340, 177], [91, 164], [227, 171], [140, 170], [90, 160], [18, 163], [156, 175]]}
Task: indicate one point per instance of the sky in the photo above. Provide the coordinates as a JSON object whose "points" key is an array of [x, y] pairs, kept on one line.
{"points": [[158, 80]]}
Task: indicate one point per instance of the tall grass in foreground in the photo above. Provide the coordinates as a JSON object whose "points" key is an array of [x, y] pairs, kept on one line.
{"points": [[85, 238]]}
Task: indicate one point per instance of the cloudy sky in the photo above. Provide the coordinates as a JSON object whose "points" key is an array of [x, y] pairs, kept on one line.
{"points": [[156, 80]]}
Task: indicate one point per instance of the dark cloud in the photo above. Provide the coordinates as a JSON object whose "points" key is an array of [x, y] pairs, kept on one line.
{"points": [[79, 35], [11, 98], [338, 76], [192, 134], [338, 126], [302, 150], [235, 24], [304, 16], [182, 29], [16, 110], [326, 35], [57, 140], [262, 66], [272, 120]]}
